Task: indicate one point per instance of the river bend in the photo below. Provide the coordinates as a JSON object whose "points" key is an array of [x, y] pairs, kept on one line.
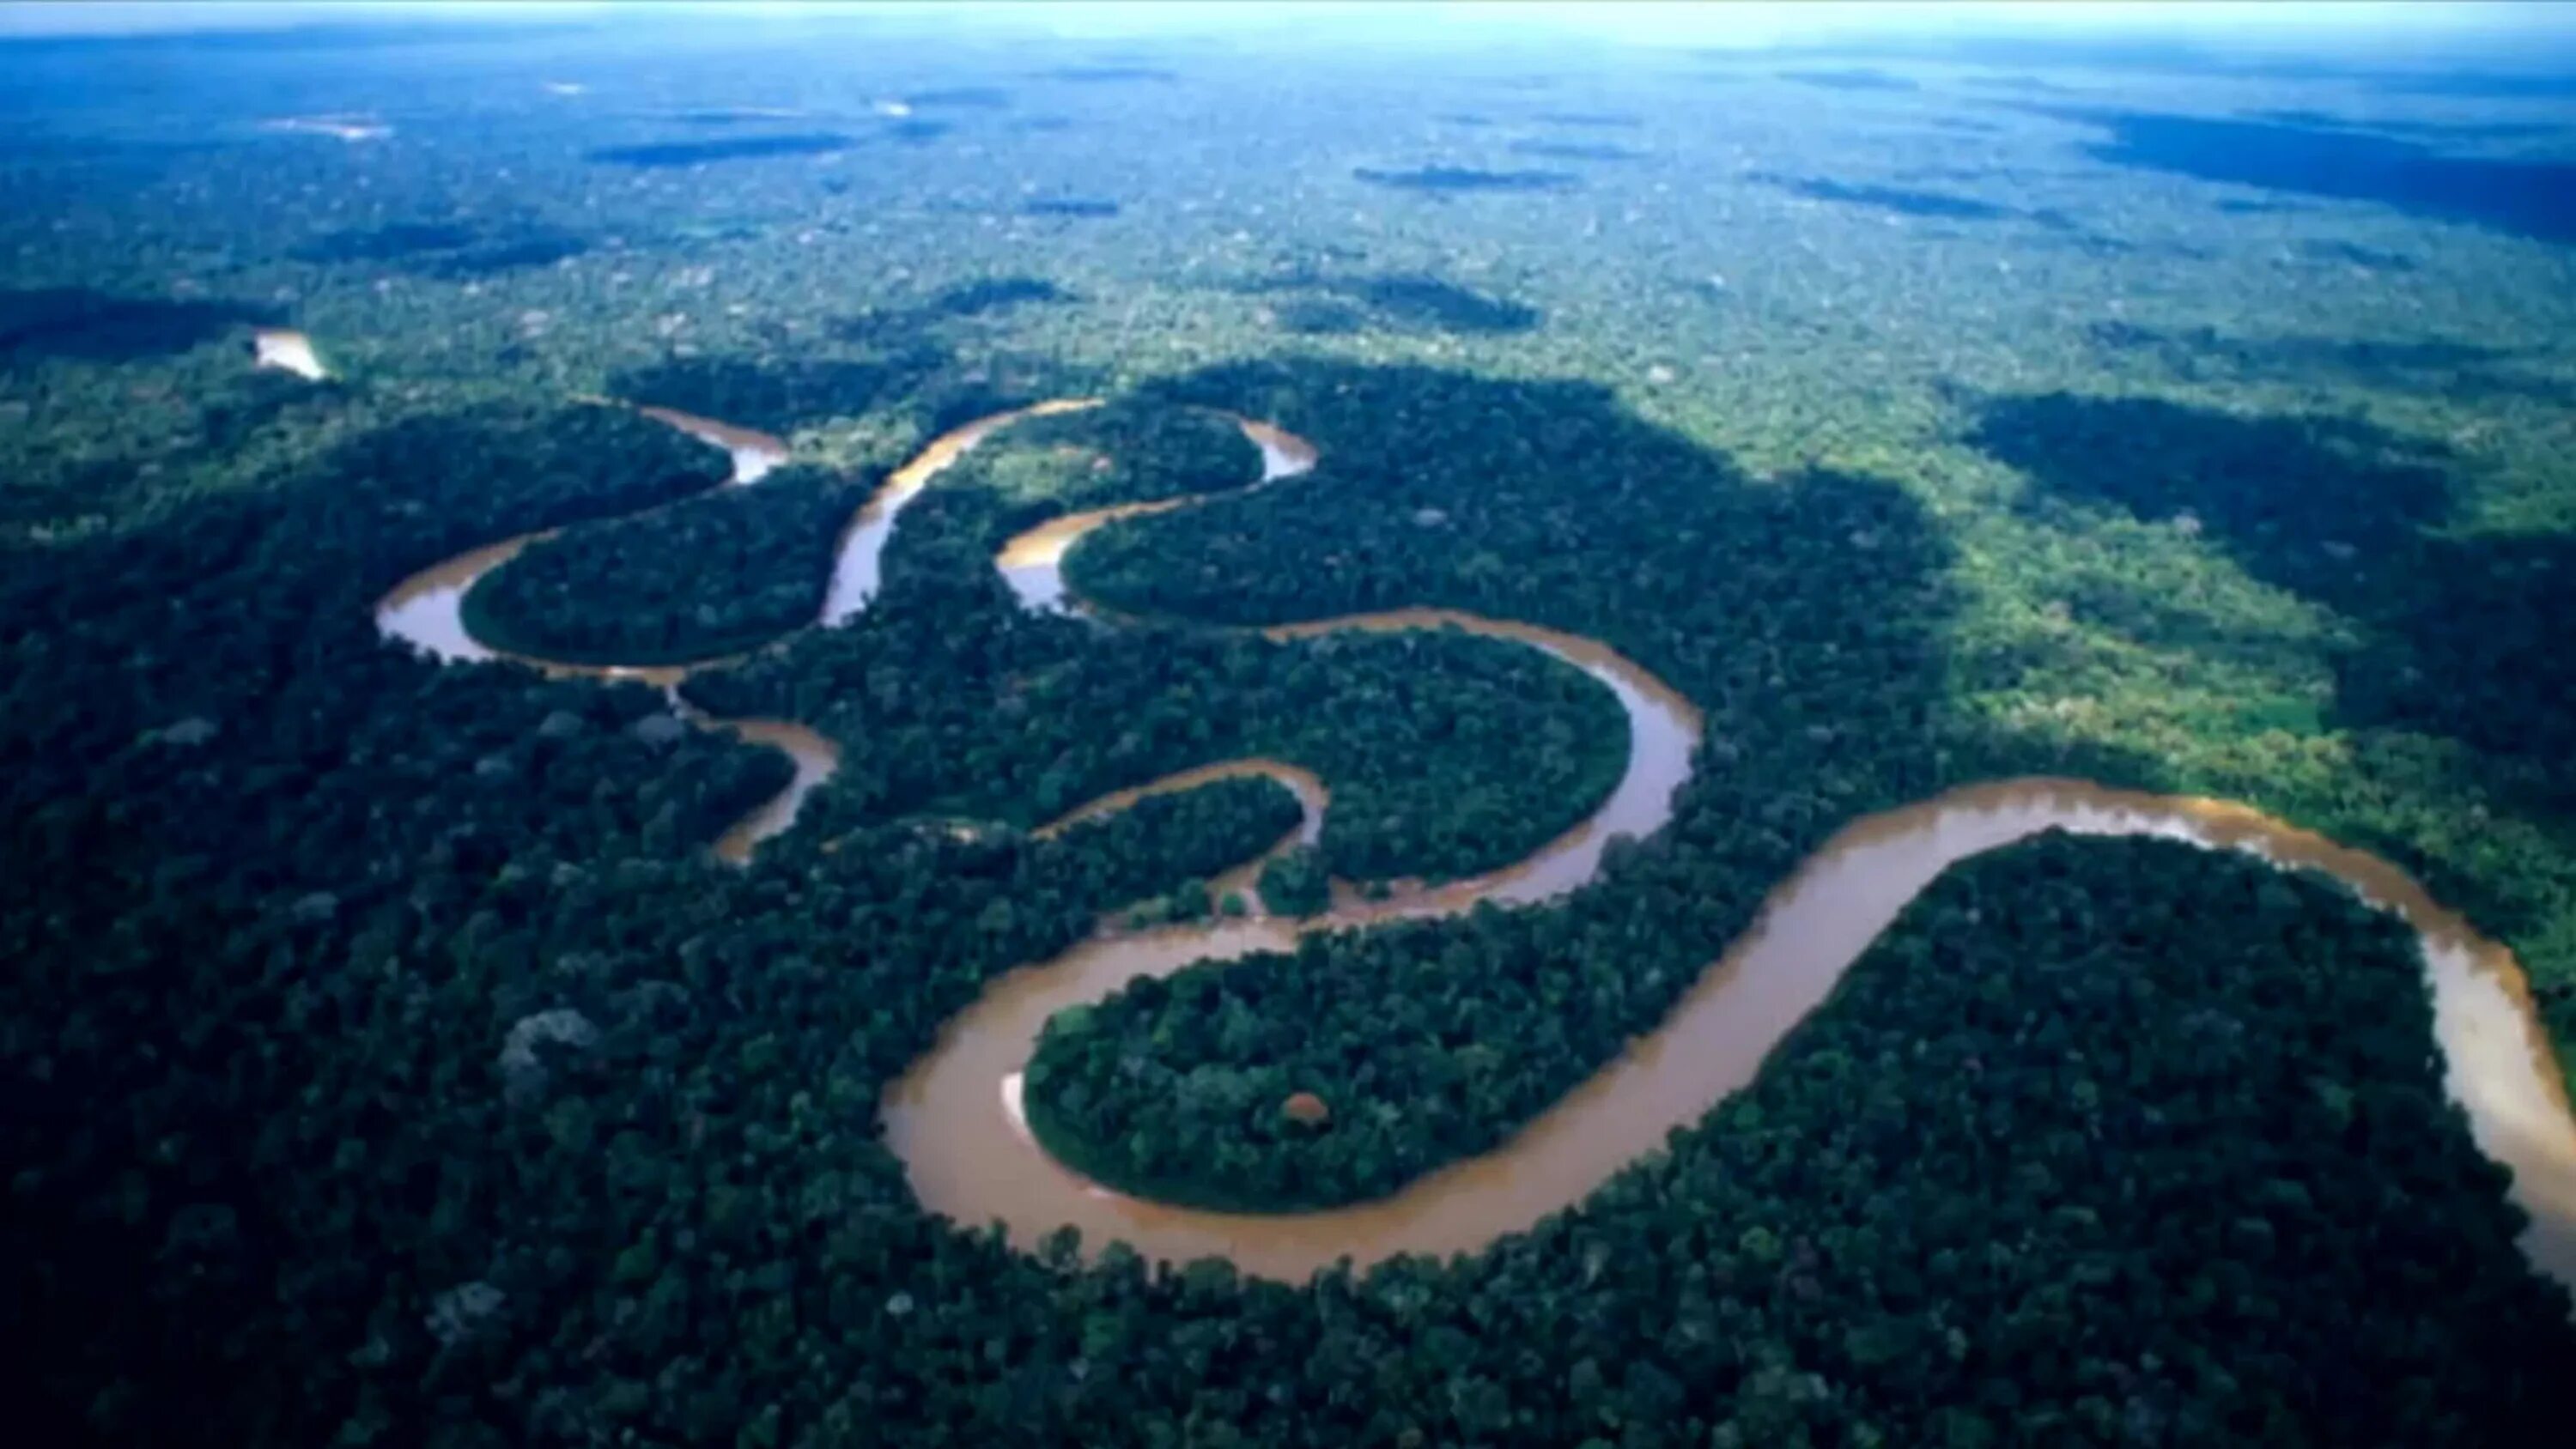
{"points": [[955, 1118]]}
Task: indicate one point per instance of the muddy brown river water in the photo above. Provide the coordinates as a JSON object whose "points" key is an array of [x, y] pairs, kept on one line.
{"points": [[955, 1118]]}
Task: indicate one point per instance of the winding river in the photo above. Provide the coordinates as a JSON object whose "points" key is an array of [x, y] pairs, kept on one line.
{"points": [[955, 1120]]}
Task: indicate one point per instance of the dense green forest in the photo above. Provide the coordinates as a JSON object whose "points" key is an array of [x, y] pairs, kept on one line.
{"points": [[1127, 450], [1297, 883], [1720, 587], [1814, 656], [1449, 754], [390, 1062], [702, 579]]}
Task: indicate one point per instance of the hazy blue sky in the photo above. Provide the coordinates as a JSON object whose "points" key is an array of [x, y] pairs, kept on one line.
{"points": [[2336, 24]]}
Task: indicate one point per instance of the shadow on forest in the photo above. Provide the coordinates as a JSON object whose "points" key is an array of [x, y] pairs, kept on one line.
{"points": [[87, 325], [2478, 85], [2459, 370], [1889, 198], [1446, 179], [902, 330], [1429, 302], [960, 98], [444, 249], [1578, 151], [2462, 130], [1850, 80], [2535, 199], [2460, 636], [1443, 488], [1313, 317], [98, 159], [385, 243], [1069, 207], [718, 116], [903, 129], [2177, 57], [776, 397], [992, 294], [917, 131], [2030, 83], [1111, 75], [535, 249], [2357, 255], [1943, 206], [1390, 301], [670, 154]]}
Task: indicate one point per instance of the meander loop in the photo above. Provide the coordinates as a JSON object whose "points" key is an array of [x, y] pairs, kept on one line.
{"points": [[955, 1117]]}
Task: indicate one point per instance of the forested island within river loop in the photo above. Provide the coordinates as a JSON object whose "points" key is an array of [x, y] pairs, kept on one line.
{"points": [[1117, 747]]}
